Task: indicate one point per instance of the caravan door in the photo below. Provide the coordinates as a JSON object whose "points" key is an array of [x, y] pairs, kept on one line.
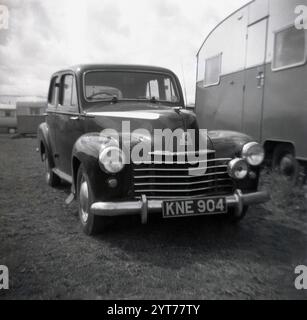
{"points": [[255, 78]]}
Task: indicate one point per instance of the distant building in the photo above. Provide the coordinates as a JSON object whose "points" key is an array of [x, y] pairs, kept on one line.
{"points": [[8, 119]]}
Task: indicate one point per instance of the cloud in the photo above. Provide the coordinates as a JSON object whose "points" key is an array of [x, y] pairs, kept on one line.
{"points": [[47, 35]]}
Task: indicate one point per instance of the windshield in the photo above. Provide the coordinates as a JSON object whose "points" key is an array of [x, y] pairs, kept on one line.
{"points": [[126, 85]]}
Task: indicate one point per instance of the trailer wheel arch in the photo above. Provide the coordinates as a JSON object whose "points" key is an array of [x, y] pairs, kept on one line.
{"points": [[282, 158]]}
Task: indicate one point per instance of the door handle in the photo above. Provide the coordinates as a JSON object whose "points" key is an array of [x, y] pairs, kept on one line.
{"points": [[74, 118], [260, 78]]}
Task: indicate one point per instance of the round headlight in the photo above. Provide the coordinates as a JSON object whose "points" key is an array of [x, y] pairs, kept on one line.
{"points": [[253, 153], [238, 169], [112, 159]]}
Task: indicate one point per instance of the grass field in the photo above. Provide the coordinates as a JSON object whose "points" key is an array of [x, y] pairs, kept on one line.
{"points": [[50, 258]]}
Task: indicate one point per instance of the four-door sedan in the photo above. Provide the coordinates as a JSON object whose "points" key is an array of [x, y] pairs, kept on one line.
{"points": [[102, 122]]}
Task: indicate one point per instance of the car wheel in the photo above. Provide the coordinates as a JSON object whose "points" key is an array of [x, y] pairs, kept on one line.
{"points": [[51, 178], [234, 218], [91, 224], [285, 163]]}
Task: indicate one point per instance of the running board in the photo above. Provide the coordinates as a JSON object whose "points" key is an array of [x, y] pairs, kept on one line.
{"points": [[68, 179], [70, 199], [62, 175]]}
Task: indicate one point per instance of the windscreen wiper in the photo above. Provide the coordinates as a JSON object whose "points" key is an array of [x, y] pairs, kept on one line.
{"points": [[114, 99], [153, 100]]}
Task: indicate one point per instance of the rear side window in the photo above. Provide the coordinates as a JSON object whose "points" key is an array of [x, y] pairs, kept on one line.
{"points": [[289, 48], [69, 93], [213, 70], [52, 91]]}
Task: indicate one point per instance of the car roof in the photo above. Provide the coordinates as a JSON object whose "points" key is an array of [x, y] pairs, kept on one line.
{"points": [[81, 68]]}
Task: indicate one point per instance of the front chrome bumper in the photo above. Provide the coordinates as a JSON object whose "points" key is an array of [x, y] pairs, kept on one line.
{"points": [[144, 206]]}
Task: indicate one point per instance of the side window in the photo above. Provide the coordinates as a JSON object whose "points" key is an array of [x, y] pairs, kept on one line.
{"points": [[162, 89], [289, 48], [69, 92], [153, 89], [52, 91], [169, 90], [213, 70]]}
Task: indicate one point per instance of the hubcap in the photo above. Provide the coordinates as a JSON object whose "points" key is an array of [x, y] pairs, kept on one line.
{"points": [[84, 201]]}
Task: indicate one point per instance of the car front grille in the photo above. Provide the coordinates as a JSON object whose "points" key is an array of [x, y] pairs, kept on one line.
{"points": [[165, 180]]}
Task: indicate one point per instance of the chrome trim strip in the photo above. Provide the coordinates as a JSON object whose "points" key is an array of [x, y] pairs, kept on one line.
{"points": [[195, 197], [179, 163], [179, 183], [186, 190], [179, 177], [180, 169], [162, 153]]}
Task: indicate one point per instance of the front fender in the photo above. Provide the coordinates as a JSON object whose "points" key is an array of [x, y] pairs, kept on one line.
{"points": [[86, 152], [228, 144]]}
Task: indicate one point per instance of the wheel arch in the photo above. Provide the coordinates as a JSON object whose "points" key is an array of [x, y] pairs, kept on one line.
{"points": [[76, 163], [271, 145], [44, 143]]}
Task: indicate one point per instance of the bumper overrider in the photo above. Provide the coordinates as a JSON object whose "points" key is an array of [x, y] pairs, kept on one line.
{"points": [[144, 207]]}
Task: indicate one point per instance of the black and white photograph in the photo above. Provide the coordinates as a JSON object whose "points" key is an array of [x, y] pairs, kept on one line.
{"points": [[153, 150]]}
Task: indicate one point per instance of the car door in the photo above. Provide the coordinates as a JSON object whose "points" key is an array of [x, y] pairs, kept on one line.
{"points": [[70, 124], [51, 118]]}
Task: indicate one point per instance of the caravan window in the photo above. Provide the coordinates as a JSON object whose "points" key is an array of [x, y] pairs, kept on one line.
{"points": [[34, 111], [9, 114], [289, 48], [213, 70]]}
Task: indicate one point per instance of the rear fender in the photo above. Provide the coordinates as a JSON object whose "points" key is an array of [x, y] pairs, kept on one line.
{"points": [[44, 143]]}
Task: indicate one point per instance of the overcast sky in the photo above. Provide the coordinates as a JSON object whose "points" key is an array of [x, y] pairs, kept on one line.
{"points": [[46, 35]]}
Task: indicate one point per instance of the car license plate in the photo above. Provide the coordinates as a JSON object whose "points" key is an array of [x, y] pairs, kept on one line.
{"points": [[200, 207]]}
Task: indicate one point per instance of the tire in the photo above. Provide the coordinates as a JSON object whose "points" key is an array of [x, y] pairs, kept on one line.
{"points": [[51, 178], [234, 219], [284, 162], [91, 224]]}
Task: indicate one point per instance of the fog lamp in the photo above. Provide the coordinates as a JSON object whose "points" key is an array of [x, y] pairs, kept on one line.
{"points": [[238, 169], [113, 183]]}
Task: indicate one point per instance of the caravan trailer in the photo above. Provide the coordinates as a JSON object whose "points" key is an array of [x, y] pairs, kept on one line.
{"points": [[252, 77], [8, 120]]}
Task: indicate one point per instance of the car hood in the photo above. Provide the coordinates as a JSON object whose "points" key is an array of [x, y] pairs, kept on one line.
{"points": [[146, 116], [142, 115]]}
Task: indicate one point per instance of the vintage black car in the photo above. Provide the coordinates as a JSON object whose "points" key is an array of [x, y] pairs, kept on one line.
{"points": [[87, 103]]}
